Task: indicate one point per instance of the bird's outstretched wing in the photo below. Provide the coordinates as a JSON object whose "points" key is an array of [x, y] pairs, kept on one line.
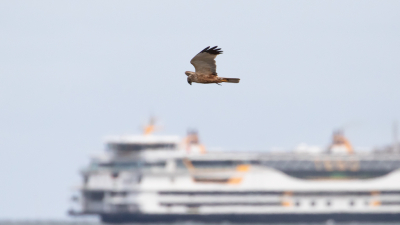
{"points": [[204, 62]]}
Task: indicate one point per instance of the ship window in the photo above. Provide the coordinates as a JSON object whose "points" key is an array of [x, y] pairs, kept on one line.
{"points": [[351, 203], [390, 203], [180, 164], [214, 164], [121, 165], [138, 147], [154, 165], [220, 193], [218, 204], [254, 162], [211, 180], [133, 165], [328, 203], [119, 194], [94, 195], [297, 203], [312, 203], [114, 175], [120, 208]]}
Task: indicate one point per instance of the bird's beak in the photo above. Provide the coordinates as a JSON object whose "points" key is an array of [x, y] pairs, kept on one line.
{"points": [[190, 82]]}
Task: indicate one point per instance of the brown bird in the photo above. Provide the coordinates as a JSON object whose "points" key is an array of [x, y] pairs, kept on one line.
{"points": [[206, 69]]}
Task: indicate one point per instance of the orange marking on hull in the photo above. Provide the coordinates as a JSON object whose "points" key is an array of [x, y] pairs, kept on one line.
{"points": [[286, 204], [235, 180], [243, 168], [375, 203]]}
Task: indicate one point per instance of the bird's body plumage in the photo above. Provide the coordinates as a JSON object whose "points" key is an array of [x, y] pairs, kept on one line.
{"points": [[206, 68]]}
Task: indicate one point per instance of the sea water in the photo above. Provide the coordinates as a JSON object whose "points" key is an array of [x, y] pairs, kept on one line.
{"points": [[44, 222]]}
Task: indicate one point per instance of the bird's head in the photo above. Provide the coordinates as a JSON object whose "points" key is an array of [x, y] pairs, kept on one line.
{"points": [[189, 80]]}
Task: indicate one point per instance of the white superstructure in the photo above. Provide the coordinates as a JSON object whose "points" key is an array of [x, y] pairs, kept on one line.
{"points": [[165, 178]]}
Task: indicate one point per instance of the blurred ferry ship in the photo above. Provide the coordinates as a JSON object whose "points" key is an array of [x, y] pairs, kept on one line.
{"points": [[151, 178]]}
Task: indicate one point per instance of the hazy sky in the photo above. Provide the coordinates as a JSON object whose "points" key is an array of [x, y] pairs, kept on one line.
{"points": [[72, 72]]}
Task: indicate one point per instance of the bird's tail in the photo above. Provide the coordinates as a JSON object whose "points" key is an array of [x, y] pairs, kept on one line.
{"points": [[230, 80]]}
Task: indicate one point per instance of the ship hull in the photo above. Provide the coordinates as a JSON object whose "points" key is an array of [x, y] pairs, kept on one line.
{"points": [[251, 218]]}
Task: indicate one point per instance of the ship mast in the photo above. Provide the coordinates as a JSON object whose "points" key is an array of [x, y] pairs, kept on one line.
{"points": [[150, 127], [395, 138]]}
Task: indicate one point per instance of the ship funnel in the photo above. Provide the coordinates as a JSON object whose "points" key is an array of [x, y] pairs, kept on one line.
{"points": [[192, 143], [340, 144]]}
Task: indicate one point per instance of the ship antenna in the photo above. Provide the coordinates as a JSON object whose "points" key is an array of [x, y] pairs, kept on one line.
{"points": [[395, 138]]}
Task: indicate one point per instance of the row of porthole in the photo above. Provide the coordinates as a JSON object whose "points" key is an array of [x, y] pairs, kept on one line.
{"points": [[328, 203]]}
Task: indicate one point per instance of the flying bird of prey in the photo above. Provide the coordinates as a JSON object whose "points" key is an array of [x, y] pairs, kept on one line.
{"points": [[206, 69]]}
